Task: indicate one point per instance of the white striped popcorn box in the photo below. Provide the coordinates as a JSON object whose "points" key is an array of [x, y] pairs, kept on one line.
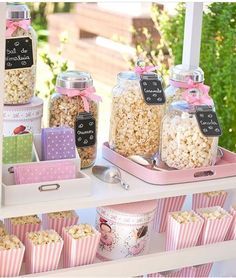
{"points": [[182, 235], [11, 261], [42, 257], [58, 223], [215, 227], [203, 270], [164, 206], [183, 272], [209, 199], [231, 235], [81, 251]]}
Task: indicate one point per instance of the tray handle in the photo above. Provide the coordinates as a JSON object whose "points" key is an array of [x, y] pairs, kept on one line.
{"points": [[49, 187], [206, 173]]}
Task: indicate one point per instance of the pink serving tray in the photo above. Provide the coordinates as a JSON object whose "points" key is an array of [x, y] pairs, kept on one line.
{"points": [[226, 167]]}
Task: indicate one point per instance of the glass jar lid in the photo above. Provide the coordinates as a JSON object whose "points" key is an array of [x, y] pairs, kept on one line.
{"points": [[74, 80], [127, 75], [17, 11], [180, 74]]}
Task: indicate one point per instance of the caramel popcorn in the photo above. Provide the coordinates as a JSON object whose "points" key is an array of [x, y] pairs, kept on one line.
{"points": [[3, 231], [62, 214], [44, 237], [214, 214], [184, 217], [214, 193], [30, 219], [8, 242], [80, 231]]}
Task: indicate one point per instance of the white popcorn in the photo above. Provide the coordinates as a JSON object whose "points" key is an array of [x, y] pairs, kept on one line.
{"points": [[214, 193], [9, 242], [3, 231], [62, 214], [22, 220], [184, 217], [214, 214], [80, 231], [43, 237]]}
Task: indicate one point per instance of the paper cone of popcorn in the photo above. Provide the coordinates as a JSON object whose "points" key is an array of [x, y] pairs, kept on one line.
{"points": [[209, 199], [58, 220], [182, 234], [203, 270], [231, 235], [164, 206], [183, 272], [216, 224], [80, 251]]}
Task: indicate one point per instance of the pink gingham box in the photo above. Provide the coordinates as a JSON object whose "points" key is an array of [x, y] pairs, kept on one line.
{"points": [[164, 206], [44, 257], [81, 251], [183, 272], [58, 223], [183, 235], [204, 200], [214, 230], [203, 270], [11, 261], [231, 235]]}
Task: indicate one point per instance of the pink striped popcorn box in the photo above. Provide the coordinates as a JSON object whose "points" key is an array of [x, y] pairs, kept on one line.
{"points": [[183, 272], [11, 261], [231, 235], [164, 206], [209, 199], [203, 270], [216, 224], [80, 251], [182, 234], [58, 220], [42, 256], [18, 226]]}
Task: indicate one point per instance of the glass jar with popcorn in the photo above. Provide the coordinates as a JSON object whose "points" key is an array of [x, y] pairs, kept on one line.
{"points": [[135, 117], [21, 52], [75, 105], [189, 136]]}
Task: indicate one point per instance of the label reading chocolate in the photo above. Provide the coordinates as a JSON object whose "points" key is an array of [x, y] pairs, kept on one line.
{"points": [[85, 130], [207, 121], [152, 90], [19, 53]]}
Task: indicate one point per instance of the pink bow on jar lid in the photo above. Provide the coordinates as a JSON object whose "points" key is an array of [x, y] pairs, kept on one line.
{"points": [[13, 25], [141, 68]]}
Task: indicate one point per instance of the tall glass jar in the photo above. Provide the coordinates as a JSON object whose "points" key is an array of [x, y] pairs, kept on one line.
{"points": [[21, 53], [134, 124], [75, 105], [183, 145]]}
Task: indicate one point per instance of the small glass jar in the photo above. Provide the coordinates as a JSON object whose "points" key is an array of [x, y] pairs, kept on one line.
{"points": [[134, 124], [67, 108], [21, 54], [182, 143]]}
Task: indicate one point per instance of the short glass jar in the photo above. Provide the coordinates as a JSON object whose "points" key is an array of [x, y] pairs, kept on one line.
{"points": [[183, 145], [21, 54], [75, 105], [134, 124]]}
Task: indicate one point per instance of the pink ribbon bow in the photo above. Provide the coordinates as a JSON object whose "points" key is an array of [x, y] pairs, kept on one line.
{"points": [[142, 70], [86, 95], [13, 25]]}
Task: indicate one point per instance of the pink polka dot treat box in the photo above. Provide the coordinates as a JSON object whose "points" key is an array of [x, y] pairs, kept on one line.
{"points": [[58, 143]]}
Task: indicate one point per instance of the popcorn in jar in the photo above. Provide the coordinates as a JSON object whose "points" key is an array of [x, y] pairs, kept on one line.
{"points": [[21, 47], [75, 105], [183, 145], [134, 124]]}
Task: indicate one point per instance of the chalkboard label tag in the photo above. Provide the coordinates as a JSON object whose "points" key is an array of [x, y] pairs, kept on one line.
{"points": [[152, 89], [19, 53], [207, 121], [85, 130]]}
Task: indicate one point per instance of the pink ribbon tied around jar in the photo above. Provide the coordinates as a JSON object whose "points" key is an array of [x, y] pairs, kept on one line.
{"points": [[141, 70], [86, 95], [13, 25]]}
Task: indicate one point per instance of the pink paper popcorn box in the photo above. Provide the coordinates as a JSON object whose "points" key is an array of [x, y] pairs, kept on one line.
{"points": [[231, 235], [203, 270], [42, 258], [201, 200], [11, 261], [82, 251], [183, 272], [185, 235], [164, 206], [58, 224], [214, 230]]}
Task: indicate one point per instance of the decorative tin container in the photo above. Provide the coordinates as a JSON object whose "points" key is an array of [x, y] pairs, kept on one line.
{"points": [[125, 229], [19, 119]]}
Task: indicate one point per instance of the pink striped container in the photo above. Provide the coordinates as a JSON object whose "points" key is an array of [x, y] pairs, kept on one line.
{"points": [[11, 261], [203, 270], [82, 251], [202, 200], [185, 235], [231, 235], [58, 224], [164, 206], [20, 230], [214, 230], [41, 258], [183, 272]]}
